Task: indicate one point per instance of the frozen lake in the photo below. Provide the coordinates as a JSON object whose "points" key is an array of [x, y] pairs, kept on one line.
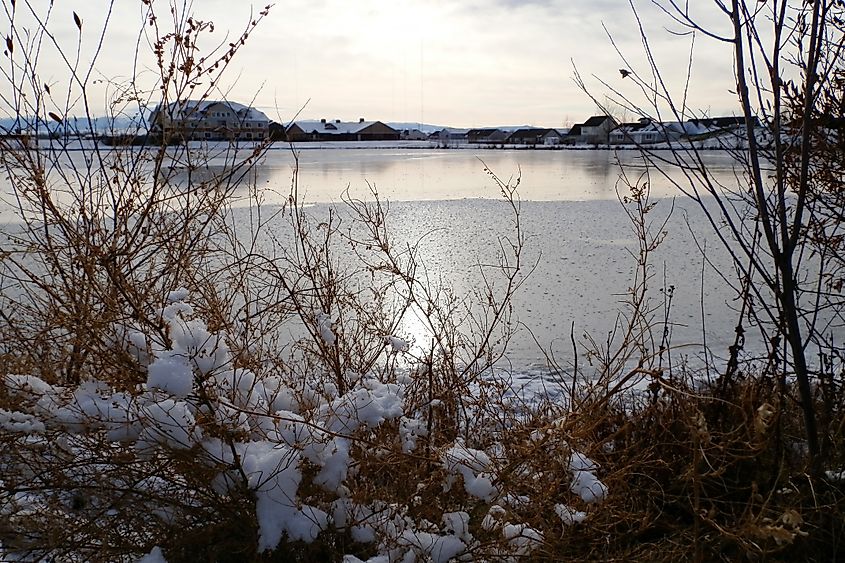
{"points": [[448, 174], [578, 234]]}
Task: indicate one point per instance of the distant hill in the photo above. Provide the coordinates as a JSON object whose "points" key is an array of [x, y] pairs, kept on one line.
{"points": [[424, 127], [135, 124], [102, 125]]}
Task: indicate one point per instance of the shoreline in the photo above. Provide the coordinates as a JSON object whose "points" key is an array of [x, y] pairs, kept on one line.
{"points": [[90, 144]]}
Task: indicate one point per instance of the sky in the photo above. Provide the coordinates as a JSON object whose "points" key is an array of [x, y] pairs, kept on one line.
{"points": [[464, 63]]}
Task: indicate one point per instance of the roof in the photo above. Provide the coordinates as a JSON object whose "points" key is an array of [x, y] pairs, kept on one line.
{"points": [[196, 109], [332, 127], [575, 131], [536, 131], [631, 127], [595, 121], [483, 132], [732, 121]]}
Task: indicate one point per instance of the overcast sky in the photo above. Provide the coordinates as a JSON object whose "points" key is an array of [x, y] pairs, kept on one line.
{"points": [[457, 62]]}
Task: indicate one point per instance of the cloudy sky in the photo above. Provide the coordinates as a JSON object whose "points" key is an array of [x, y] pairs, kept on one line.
{"points": [[450, 62]]}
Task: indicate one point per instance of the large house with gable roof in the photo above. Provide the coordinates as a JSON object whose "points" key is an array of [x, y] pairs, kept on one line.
{"points": [[595, 131], [209, 120]]}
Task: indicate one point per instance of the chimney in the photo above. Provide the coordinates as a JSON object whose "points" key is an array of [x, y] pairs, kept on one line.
{"points": [[323, 120], [360, 120], [337, 121]]}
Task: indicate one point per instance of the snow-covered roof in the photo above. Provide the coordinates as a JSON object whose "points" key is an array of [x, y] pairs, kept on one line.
{"points": [[335, 127], [635, 126], [196, 109]]}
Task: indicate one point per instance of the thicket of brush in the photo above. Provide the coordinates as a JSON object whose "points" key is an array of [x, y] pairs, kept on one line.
{"points": [[206, 381]]}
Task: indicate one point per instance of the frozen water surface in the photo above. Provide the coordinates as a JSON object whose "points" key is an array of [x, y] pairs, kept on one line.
{"points": [[577, 232]]}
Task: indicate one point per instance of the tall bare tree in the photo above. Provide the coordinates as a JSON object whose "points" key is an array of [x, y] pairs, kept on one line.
{"points": [[782, 222]]}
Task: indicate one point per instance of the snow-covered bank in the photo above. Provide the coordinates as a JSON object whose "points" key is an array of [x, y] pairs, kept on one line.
{"points": [[300, 456]]}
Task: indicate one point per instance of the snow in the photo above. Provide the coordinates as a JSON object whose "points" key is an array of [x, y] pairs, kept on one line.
{"points": [[835, 475], [335, 460], [580, 462], [370, 404], [569, 515], [27, 385], [376, 559], [278, 438], [169, 423], [493, 518], [396, 344], [154, 556], [324, 327], [434, 547], [410, 429], [457, 523], [274, 476], [522, 537], [172, 374], [180, 294], [584, 481], [586, 485], [473, 466], [20, 422]]}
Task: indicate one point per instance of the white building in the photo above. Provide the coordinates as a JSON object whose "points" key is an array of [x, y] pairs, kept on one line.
{"points": [[211, 120]]}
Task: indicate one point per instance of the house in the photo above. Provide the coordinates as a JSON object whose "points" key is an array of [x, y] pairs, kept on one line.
{"points": [[412, 135], [488, 135], [337, 130], [449, 136], [534, 136], [596, 130], [707, 127], [630, 133], [573, 136], [646, 132], [718, 123], [208, 120]]}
